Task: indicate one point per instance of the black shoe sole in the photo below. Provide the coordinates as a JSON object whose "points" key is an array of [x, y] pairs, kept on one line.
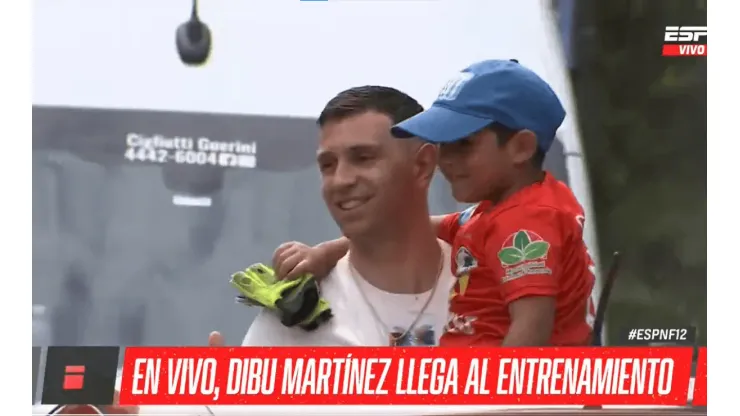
{"points": [[323, 317], [297, 304]]}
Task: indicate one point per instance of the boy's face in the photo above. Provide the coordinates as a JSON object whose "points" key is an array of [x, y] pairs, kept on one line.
{"points": [[476, 167]]}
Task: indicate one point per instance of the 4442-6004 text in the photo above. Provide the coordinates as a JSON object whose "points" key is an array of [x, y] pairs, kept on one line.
{"points": [[159, 149]]}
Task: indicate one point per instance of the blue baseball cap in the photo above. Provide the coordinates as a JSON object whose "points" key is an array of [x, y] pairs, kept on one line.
{"points": [[500, 91]]}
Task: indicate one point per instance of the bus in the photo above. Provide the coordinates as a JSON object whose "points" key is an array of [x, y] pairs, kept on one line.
{"points": [[154, 181]]}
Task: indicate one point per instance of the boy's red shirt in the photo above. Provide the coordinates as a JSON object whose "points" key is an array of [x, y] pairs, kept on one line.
{"points": [[531, 244]]}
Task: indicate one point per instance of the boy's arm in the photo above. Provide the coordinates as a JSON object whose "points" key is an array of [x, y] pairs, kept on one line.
{"points": [[446, 226], [295, 259], [334, 250]]}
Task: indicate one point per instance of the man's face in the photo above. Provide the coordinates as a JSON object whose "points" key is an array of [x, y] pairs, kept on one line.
{"points": [[476, 167], [365, 173]]}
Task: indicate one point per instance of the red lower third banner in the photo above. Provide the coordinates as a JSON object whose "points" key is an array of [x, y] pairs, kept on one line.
{"points": [[406, 376]]}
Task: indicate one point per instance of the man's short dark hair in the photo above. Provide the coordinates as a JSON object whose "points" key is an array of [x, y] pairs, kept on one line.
{"points": [[505, 134], [385, 100]]}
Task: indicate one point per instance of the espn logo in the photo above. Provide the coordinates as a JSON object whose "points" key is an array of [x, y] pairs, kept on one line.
{"points": [[80, 375], [74, 377], [685, 41]]}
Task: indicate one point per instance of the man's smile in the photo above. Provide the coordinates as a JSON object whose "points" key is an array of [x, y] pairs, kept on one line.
{"points": [[351, 204]]}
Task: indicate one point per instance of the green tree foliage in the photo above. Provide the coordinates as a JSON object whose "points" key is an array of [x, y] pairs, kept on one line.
{"points": [[643, 120]]}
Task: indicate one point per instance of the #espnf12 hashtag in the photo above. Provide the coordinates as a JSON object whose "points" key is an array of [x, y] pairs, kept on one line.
{"points": [[653, 334]]}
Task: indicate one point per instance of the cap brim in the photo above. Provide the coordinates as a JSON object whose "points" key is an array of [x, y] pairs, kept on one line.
{"points": [[440, 125]]}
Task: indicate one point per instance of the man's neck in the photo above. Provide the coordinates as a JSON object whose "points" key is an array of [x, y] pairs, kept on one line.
{"points": [[408, 260]]}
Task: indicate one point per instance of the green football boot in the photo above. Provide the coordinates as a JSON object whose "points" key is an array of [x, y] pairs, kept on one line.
{"points": [[297, 302]]}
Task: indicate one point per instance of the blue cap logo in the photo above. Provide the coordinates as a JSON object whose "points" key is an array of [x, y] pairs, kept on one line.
{"points": [[453, 87], [494, 91]]}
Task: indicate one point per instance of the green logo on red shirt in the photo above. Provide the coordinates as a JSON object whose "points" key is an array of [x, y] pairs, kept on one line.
{"points": [[521, 246], [524, 253]]}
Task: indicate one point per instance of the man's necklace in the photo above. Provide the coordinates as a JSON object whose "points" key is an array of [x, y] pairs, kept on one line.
{"points": [[376, 316]]}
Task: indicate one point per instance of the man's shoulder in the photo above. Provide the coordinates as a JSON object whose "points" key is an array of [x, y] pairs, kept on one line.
{"points": [[336, 285], [267, 330]]}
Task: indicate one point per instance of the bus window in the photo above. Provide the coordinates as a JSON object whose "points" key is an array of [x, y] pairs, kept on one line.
{"points": [[555, 161], [151, 238]]}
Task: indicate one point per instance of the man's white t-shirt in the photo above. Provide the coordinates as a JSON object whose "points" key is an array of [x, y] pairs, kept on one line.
{"points": [[368, 320]]}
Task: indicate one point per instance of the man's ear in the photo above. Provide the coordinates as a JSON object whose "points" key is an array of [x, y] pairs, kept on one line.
{"points": [[426, 162], [523, 146]]}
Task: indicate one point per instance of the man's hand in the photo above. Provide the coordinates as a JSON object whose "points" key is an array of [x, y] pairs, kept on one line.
{"points": [[215, 339], [292, 260]]}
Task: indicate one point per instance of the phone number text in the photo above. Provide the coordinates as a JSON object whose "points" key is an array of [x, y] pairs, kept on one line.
{"points": [[190, 157]]}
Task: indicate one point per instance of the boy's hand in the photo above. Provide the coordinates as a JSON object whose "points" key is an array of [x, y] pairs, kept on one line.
{"points": [[292, 260]]}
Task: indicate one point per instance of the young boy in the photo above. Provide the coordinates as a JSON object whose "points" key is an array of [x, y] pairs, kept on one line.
{"points": [[524, 273]]}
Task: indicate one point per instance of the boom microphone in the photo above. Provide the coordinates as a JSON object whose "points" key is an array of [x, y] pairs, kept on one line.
{"points": [[193, 40]]}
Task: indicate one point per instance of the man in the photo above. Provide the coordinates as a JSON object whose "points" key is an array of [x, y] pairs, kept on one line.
{"points": [[392, 286], [524, 274]]}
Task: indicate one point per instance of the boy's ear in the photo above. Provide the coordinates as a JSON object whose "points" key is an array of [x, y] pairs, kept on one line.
{"points": [[523, 146]]}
